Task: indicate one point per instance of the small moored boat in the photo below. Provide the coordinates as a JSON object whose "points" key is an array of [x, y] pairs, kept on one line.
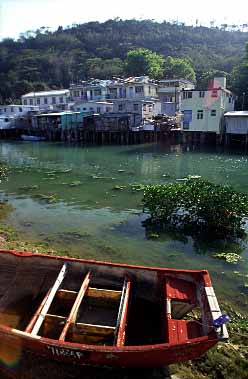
{"points": [[26, 137], [98, 313]]}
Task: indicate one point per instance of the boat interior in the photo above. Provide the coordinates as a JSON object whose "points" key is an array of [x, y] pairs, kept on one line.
{"points": [[99, 304]]}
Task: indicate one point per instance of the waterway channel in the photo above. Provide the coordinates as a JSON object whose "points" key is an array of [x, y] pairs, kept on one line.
{"points": [[81, 201]]}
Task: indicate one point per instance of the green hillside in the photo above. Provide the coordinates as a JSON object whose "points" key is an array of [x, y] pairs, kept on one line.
{"points": [[44, 59]]}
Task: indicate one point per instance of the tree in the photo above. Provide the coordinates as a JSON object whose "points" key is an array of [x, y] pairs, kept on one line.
{"points": [[144, 62], [239, 82], [178, 68]]}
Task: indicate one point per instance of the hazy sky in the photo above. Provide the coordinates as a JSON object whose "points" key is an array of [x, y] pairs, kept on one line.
{"points": [[17, 16]]}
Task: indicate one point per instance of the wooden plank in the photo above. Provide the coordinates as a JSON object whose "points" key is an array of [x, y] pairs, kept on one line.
{"points": [[73, 314], [48, 302], [31, 324], [93, 334], [122, 315], [54, 318], [66, 295], [104, 330], [104, 294]]}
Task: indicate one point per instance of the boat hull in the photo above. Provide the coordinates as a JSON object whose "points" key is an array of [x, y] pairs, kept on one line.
{"points": [[15, 345], [179, 339]]}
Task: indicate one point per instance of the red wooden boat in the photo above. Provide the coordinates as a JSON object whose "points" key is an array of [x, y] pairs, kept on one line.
{"points": [[97, 313]]}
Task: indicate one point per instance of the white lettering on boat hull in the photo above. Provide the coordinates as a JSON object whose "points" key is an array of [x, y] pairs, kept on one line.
{"points": [[61, 352]]}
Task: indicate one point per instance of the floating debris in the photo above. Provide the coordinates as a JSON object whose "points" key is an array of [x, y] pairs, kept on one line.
{"points": [[181, 179], [120, 188], [65, 171], [137, 187], [48, 198], [76, 183], [153, 236], [29, 188], [194, 176]]}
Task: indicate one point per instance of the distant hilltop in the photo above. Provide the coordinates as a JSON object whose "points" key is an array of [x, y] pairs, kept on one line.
{"points": [[41, 60]]}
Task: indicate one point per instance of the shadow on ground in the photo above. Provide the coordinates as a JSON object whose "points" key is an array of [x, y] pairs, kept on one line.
{"points": [[32, 367]]}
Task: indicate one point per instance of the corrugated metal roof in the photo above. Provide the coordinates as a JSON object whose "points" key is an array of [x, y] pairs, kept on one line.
{"points": [[57, 114], [47, 93], [236, 114]]}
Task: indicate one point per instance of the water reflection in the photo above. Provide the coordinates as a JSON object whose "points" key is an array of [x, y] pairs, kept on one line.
{"points": [[85, 201]]}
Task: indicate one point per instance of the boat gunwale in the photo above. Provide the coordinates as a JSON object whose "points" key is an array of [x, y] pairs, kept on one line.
{"points": [[104, 349], [205, 275]]}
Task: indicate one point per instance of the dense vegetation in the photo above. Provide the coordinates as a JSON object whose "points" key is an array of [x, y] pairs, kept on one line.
{"points": [[43, 59], [197, 206]]}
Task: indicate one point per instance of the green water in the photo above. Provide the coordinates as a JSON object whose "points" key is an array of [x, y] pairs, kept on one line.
{"points": [[66, 196]]}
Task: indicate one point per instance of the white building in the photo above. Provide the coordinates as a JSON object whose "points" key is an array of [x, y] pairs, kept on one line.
{"points": [[45, 100], [169, 94], [203, 111], [136, 87], [16, 110], [99, 107], [94, 89]]}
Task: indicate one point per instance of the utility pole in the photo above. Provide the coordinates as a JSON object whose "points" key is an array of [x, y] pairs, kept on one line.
{"points": [[243, 101]]}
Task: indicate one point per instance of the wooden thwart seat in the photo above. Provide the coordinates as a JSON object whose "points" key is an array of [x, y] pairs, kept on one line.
{"points": [[92, 334], [73, 314], [90, 316]]}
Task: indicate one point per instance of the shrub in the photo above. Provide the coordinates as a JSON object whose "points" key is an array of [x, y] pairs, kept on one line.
{"points": [[197, 205]]}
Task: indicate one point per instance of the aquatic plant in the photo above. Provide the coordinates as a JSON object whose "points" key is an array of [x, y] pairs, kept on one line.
{"points": [[228, 257], [197, 206]]}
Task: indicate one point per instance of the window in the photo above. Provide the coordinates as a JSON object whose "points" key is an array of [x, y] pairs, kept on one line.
{"points": [[187, 95], [186, 125], [230, 99], [98, 110], [213, 112], [149, 90], [91, 109], [108, 109], [136, 107], [120, 107], [61, 100], [12, 109], [201, 93], [45, 100], [25, 102], [38, 101], [76, 93], [97, 92], [54, 100], [214, 93], [150, 108], [199, 115], [139, 89], [84, 109], [20, 109], [31, 101]]}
